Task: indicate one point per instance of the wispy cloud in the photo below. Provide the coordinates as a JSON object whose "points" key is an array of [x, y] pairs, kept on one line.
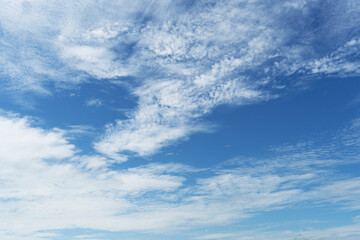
{"points": [[94, 102], [205, 55], [186, 64], [226, 59], [169, 109], [52, 190]]}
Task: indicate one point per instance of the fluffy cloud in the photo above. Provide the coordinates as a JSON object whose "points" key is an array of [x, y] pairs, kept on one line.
{"points": [[21, 143], [49, 186]]}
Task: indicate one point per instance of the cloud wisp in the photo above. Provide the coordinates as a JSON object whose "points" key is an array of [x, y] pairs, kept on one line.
{"points": [[179, 60], [187, 57], [50, 192], [235, 57]]}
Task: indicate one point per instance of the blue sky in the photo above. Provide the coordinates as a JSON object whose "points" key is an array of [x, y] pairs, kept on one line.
{"points": [[179, 120]]}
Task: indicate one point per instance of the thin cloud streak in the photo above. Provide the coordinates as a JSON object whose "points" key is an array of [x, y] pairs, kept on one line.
{"points": [[72, 190]]}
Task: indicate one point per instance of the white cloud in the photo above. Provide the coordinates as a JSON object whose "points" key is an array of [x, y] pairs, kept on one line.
{"points": [[38, 193], [340, 62], [168, 110], [80, 130], [345, 192], [224, 54], [188, 58], [96, 61], [187, 64], [94, 102], [21, 143], [77, 191]]}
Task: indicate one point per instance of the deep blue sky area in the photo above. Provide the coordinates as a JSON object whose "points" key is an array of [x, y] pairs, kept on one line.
{"points": [[249, 131]]}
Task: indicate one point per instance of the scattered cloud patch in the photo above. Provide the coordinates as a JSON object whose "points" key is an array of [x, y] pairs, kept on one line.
{"points": [[188, 58], [180, 61], [76, 189], [94, 102]]}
